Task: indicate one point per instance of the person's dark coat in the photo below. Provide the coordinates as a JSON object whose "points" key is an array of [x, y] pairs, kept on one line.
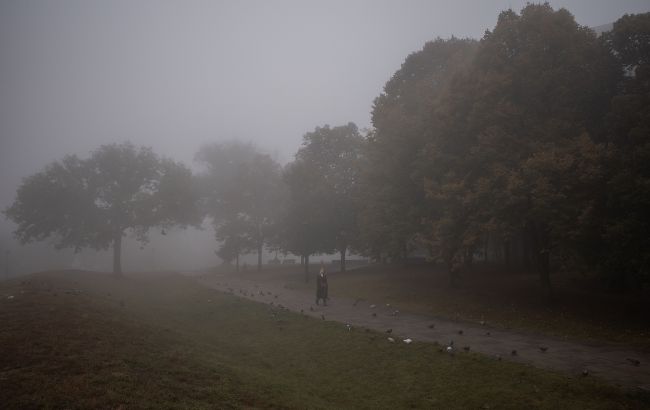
{"points": [[321, 286]]}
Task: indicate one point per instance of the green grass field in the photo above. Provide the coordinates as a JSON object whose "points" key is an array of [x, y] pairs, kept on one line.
{"points": [[84, 340]]}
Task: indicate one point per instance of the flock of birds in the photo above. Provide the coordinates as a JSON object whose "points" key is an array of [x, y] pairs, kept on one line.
{"points": [[448, 348]]}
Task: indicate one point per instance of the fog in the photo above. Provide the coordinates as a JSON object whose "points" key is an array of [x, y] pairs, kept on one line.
{"points": [[175, 75]]}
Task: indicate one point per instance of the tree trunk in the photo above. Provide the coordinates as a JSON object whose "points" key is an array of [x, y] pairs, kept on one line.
{"points": [[487, 246], [306, 259], [526, 250], [343, 251], [117, 254], [541, 251]]}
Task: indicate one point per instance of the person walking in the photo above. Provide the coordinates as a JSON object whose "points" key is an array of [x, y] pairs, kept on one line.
{"points": [[321, 286]]}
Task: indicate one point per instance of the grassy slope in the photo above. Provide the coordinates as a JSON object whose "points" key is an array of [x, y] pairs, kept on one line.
{"points": [[164, 342]]}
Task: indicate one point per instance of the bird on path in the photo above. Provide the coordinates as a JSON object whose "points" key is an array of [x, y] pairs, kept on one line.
{"points": [[543, 349], [514, 352], [460, 332], [635, 362], [488, 334], [374, 314], [311, 308], [585, 373], [431, 326]]}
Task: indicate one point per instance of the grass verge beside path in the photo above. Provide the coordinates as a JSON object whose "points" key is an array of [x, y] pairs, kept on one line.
{"points": [[84, 340], [580, 311]]}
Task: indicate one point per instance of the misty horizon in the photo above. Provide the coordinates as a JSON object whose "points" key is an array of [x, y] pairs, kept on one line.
{"points": [[77, 75]]}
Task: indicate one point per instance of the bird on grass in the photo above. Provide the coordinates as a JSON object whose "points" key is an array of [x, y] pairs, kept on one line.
{"points": [[466, 348]]}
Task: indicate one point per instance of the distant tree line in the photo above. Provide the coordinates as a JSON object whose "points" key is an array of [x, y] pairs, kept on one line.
{"points": [[529, 148]]}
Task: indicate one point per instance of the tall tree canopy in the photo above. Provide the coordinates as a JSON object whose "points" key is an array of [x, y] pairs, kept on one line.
{"points": [[324, 187], [402, 119], [94, 202], [624, 252], [538, 86], [244, 194]]}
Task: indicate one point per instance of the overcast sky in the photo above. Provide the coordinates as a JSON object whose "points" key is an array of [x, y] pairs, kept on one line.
{"points": [[173, 75]]}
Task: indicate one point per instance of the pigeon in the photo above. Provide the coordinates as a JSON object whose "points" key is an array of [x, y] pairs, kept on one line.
{"points": [[543, 349], [387, 304], [348, 326], [431, 326], [498, 357], [466, 348], [514, 352], [373, 306], [585, 373], [635, 362], [408, 341], [460, 332], [449, 349], [488, 334], [276, 296], [311, 308], [482, 322], [374, 314], [302, 312], [390, 339], [389, 331]]}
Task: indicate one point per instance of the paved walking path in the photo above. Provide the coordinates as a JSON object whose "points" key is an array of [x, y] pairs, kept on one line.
{"points": [[610, 362]]}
